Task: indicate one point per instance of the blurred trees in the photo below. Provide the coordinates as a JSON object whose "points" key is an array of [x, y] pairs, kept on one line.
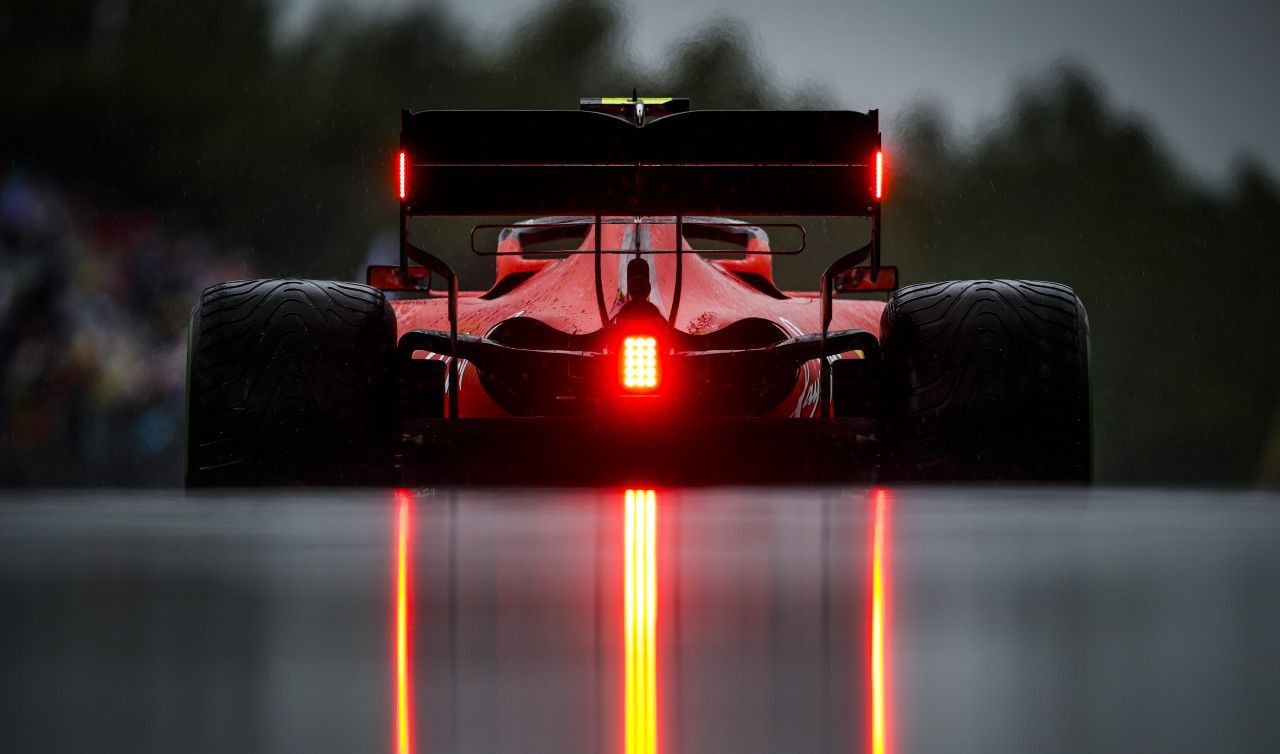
{"points": [[286, 147], [1178, 277], [199, 113]]}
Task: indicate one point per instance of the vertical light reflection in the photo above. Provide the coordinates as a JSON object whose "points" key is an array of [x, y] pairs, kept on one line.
{"points": [[879, 622], [404, 668], [640, 589]]}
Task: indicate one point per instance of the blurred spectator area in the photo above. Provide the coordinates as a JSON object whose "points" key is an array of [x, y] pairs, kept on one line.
{"points": [[93, 315]]}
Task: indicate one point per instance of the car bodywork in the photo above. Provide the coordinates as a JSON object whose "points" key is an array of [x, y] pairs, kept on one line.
{"points": [[632, 188], [728, 305]]}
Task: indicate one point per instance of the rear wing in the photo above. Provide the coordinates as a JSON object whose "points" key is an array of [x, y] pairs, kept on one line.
{"points": [[579, 162], [592, 162]]}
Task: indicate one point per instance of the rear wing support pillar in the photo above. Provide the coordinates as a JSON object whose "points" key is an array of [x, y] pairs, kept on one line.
{"points": [[679, 285], [599, 281], [827, 291], [438, 267]]}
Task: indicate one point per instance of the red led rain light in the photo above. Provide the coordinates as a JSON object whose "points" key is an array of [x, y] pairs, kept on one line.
{"points": [[640, 363]]}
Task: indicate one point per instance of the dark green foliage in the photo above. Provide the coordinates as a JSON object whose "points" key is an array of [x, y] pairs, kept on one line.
{"points": [[1178, 278], [286, 147]]}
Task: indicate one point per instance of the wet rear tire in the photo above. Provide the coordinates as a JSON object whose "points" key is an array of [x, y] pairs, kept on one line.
{"points": [[290, 382], [987, 380]]}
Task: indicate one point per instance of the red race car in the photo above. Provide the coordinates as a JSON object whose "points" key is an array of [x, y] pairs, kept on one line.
{"points": [[634, 331]]}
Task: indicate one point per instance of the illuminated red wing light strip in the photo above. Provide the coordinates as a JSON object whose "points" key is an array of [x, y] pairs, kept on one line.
{"points": [[404, 184], [879, 175]]}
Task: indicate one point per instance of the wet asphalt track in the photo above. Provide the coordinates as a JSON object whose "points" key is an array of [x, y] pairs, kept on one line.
{"points": [[755, 621]]}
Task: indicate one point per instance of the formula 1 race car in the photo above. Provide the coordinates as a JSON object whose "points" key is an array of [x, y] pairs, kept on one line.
{"points": [[635, 331]]}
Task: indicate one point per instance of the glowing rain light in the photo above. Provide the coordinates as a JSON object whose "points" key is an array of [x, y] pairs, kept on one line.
{"points": [[639, 362]]}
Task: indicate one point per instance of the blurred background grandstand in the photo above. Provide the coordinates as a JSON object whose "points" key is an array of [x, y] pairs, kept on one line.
{"points": [[149, 150]]}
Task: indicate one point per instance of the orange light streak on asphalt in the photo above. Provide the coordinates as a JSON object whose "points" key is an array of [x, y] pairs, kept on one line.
{"points": [[879, 623], [640, 588], [404, 670]]}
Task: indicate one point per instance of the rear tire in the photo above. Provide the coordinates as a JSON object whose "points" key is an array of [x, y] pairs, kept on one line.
{"points": [[987, 380], [290, 382]]}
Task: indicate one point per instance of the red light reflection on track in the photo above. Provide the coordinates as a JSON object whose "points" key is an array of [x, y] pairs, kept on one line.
{"points": [[640, 587], [404, 608], [879, 644]]}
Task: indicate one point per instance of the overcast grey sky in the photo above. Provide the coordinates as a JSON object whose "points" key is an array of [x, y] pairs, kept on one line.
{"points": [[1207, 74]]}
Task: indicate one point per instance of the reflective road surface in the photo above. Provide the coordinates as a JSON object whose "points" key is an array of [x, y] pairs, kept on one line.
{"points": [[639, 621]]}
